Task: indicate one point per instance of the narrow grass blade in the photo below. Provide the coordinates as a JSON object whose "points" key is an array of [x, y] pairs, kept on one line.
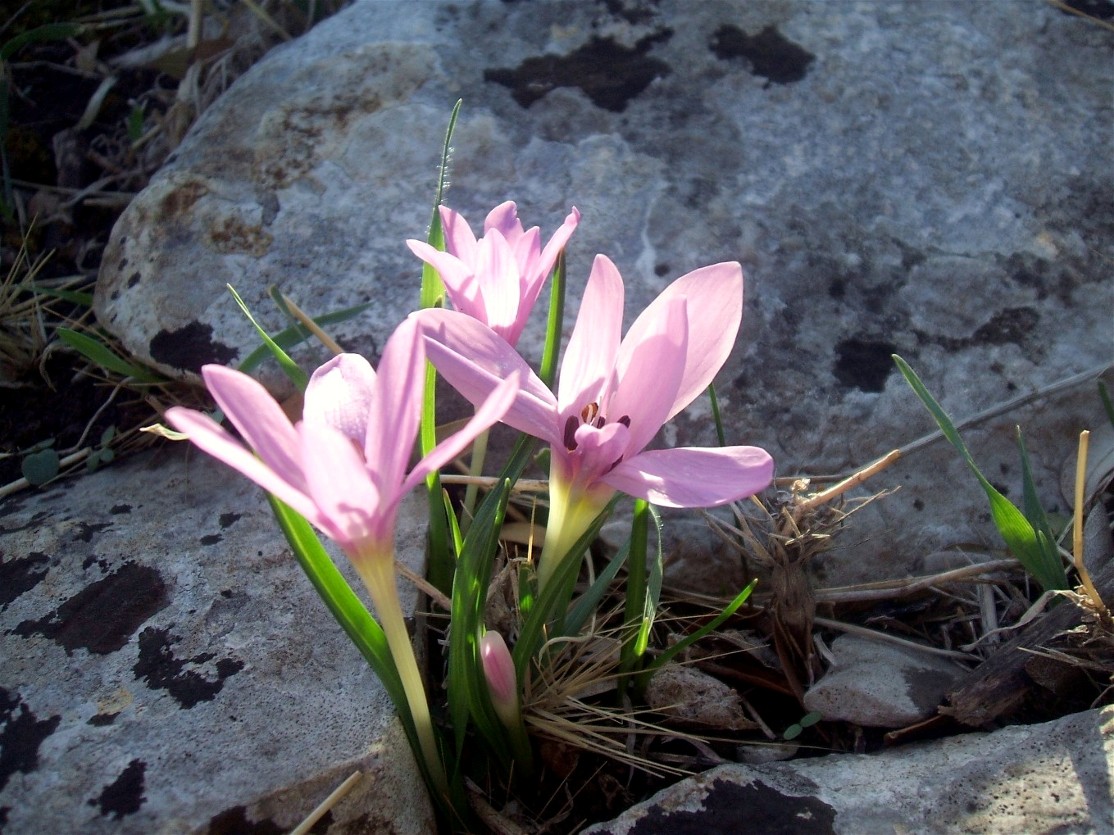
{"points": [[635, 603], [288, 366], [343, 603], [548, 609], [716, 417], [548, 368], [712, 625], [432, 294], [296, 334], [1020, 537], [102, 355]]}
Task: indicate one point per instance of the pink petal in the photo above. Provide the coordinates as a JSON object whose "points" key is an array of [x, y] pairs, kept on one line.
{"points": [[396, 408], [504, 218], [258, 418], [460, 281], [652, 373], [485, 417], [714, 297], [558, 242], [589, 360], [497, 273], [475, 361], [459, 240], [347, 500], [339, 395], [208, 435], [694, 476]]}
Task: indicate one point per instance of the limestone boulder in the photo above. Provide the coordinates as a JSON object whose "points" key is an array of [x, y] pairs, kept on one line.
{"points": [[928, 179], [1054, 777], [167, 667]]}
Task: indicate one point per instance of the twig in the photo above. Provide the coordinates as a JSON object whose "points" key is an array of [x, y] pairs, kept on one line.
{"points": [[312, 326], [427, 588], [854, 480], [1077, 527], [1007, 405], [523, 485], [882, 636], [487, 813], [328, 803]]}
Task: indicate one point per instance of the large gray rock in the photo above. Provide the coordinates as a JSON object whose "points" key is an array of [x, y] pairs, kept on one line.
{"points": [[926, 178], [1055, 777], [165, 666]]}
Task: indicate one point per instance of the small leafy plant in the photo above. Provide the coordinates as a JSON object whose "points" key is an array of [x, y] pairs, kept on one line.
{"points": [[1027, 534], [344, 469]]}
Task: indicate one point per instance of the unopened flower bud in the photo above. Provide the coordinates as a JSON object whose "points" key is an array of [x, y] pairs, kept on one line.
{"points": [[501, 679]]}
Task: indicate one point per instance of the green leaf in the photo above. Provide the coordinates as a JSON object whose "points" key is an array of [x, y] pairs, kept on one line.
{"points": [[289, 337], [72, 296], [635, 604], [1107, 404], [40, 467], [288, 366], [105, 357], [548, 609], [547, 371], [668, 654], [347, 608], [714, 401], [40, 34], [1020, 536], [468, 691], [588, 603]]}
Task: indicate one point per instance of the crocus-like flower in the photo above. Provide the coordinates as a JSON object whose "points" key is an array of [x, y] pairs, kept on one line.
{"points": [[497, 278], [613, 396], [343, 466]]}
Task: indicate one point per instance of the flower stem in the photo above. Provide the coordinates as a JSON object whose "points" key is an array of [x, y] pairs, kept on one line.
{"points": [[378, 575]]}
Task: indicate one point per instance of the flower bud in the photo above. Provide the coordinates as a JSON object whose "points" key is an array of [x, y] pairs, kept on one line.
{"points": [[502, 683]]}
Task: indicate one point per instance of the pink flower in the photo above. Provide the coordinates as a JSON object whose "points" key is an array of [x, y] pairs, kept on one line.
{"points": [[613, 396], [498, 278], [343, 466]]}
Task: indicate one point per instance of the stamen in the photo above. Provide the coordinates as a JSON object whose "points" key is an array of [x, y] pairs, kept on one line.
{"points": [[589, 412], [599, 422], [625, 420], [570, 433]]}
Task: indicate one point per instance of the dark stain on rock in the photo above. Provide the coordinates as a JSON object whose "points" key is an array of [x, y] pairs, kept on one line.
{"points": [[124, 795], [863, 363], [211, 539], [768, 53], [133, 279], [85, 531], [162, 671], [105, 614], [729, 808], [21, 574], [117, 509], [179, 201], [190, 348], [609, 73], [227, 520], [102, 719], [21, 734], [1014, 324], [235, 821]]}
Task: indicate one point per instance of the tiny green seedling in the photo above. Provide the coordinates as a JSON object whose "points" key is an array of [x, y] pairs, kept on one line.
{"points": [[798, 727]]}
